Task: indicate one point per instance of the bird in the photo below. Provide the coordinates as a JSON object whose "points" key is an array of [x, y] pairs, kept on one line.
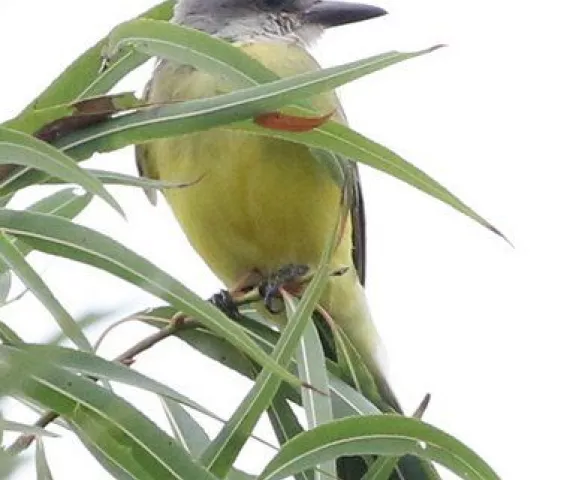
{"points": [[256, 204]]}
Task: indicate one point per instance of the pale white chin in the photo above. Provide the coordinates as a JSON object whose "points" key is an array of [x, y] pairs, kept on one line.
{"points": [[305, 35], [310, 34]]}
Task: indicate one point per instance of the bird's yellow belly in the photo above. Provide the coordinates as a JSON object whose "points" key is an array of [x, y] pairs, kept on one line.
{"points": [[259, 203]]}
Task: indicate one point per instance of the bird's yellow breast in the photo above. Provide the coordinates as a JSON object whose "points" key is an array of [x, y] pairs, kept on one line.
{"points": [[259, 203]]}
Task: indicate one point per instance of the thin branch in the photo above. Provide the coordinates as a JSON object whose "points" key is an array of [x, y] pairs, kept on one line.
{"points": [[179, 322]]}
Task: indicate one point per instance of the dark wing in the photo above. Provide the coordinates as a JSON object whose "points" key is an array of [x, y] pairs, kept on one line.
{"points": [[141, 152], [358, 228]]}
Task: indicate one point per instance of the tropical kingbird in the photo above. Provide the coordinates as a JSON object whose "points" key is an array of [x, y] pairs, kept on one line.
{"points": [[257, 203]]}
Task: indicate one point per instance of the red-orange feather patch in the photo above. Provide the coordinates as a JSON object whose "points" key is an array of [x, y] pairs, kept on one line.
{"points": [[290, 123]]}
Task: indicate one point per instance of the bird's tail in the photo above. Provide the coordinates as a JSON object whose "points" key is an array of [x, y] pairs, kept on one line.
{"points": [[345, 302]]}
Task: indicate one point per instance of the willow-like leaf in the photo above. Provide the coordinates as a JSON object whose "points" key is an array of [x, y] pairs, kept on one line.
{"points": [[92, 365], [312, 371], [286, 426], [63, 203], [388, 435], [7, 425], [12, 257], [123, 435], [58, 236], [193, 115], [189, 46], [82, 80], [185, 428], [42, 469], [223, 451], [22, 149], [346, 401]]}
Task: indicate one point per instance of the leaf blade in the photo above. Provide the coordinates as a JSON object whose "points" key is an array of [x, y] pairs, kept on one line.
{"points": [[385, 435]]}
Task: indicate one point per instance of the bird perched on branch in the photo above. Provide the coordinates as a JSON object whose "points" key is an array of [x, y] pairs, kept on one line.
{"points": [[263, 203]]}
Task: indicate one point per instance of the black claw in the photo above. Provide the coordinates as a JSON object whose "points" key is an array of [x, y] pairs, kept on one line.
{"points": [[224, 302], [269, 289]]}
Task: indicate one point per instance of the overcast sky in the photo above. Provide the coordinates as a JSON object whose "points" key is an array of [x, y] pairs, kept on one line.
{"points": [[487, 329]]}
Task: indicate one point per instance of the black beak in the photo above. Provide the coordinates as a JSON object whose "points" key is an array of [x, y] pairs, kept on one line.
{"points": [[329, 13]]}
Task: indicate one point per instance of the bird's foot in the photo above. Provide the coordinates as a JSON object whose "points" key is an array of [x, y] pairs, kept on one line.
{"points": [[224, 301], [288, 278]]}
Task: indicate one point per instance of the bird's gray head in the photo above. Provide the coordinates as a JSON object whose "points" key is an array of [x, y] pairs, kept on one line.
{"points": [[244, 20]]}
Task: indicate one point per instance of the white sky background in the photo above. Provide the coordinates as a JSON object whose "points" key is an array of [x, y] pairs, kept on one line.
{"points": [[485, 328]]}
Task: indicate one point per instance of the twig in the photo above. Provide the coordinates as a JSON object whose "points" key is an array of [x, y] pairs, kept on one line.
{"points": [[178, 322]]}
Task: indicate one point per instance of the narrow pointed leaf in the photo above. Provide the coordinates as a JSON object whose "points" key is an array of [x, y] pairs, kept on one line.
{"points": [[312, 371], [389, 435], [346, 400], [81, 79], [63, 203], [125, 436], [193, 115], [67, 203], [347, 143], [286, 426], [5, 283], [9, 336], [61, 237], [188, 46], [22, 149], [42, 469], [381, 469], [355, 370], [115, 178], [185, 428], [192, 436], [7, 425], [223, 451], [12, 257], [92, 365]]}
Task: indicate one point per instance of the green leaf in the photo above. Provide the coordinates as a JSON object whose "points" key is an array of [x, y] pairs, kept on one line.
{"points": [[115, 178], [7, 425], [312, 371], [42, 468], [355, 371], [286, 426], [223, 451], [123, 435], [188, 46], [92, 365], [5, 283], [85, 321], [346, 401], [347, 143], [9, 336], [50, 123], [185, 429], [22, 149], [12, 257], [8, 464], [61, 237], [193, 115], [81, 78], [388, 435], [192, 436], [381, 469], [66, 203]]}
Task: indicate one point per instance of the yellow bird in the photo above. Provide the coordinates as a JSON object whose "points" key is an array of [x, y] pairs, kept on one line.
{"points": [[258, 204], [263, 203]]}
